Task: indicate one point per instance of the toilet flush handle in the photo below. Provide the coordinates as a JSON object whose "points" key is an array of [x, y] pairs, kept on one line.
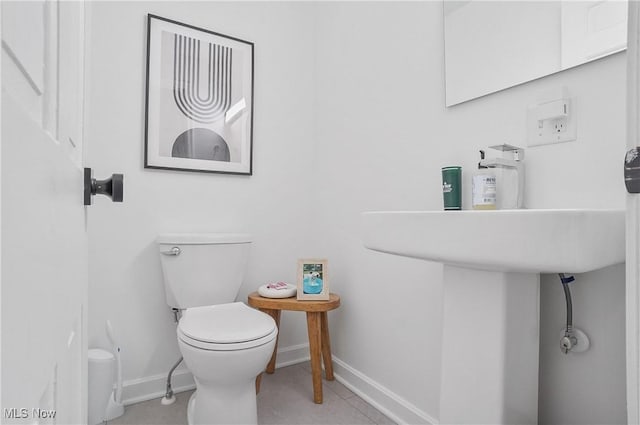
{"points": [[173, 251]]}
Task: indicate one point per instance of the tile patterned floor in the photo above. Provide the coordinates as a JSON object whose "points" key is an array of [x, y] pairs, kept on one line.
{"points": [[286, 397]]}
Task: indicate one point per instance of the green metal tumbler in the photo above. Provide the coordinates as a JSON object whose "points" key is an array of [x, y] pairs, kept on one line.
{"points": [[452, 188]]}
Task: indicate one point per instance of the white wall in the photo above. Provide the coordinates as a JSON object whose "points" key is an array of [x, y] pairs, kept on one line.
{"points": [[125, 277], [358, 87], [384, 133]]}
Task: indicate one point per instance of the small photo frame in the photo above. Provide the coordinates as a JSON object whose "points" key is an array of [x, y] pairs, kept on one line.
{"points": [[199, 100], [313, 279]]}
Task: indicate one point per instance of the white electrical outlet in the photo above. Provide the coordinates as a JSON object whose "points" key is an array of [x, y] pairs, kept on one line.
{"points": [[560, 125], [552, 122]]}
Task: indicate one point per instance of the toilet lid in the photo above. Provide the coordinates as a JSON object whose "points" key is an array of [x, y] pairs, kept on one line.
{"points": [[225, 323]]}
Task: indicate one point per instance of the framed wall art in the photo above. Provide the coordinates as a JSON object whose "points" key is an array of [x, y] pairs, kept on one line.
{"points": [[199, 100], [313, 279]]}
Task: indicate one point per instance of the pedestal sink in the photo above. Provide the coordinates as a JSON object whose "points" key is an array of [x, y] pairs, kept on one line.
{"points": [[492, 264]]}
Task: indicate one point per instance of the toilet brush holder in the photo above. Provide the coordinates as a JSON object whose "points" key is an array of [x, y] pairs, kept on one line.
{"points": [[114, 409]]}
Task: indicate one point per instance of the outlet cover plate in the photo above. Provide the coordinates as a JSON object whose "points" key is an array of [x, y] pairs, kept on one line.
{"points": [[552, 131]]}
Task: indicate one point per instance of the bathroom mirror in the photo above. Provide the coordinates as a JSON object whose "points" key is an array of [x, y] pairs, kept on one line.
{"points": [[494, 45]]}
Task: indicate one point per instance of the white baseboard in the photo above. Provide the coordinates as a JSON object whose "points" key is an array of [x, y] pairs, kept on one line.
{"points": [[292, 355], [386, 401], [151, 387]]}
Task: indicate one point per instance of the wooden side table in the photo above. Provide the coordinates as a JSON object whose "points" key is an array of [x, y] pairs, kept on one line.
{"points": [[317, 326]]}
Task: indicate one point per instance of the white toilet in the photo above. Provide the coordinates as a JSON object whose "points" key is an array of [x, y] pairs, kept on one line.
{"points": [[225, 344]]}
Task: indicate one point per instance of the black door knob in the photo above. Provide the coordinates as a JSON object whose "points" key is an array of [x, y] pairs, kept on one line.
{"points": [[113, 187]]}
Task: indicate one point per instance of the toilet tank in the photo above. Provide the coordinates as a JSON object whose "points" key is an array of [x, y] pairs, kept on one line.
{"points": [[202, 269]]}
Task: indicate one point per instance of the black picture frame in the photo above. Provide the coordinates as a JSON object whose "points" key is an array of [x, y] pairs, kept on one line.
{"points": [[184, 129]]}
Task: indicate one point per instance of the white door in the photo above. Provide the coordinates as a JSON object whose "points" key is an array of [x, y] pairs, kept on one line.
{"points": [[44, 242], [633, 220]]}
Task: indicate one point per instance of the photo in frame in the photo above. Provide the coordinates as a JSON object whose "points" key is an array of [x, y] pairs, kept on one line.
{"points": [[313, 279], [199, 99]]}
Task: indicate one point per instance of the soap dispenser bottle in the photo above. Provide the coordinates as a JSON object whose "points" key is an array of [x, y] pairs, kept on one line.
{"points": [[483, 187]]}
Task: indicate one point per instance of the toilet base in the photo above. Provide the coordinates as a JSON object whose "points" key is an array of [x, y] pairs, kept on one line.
{"points": [[238, 409]]}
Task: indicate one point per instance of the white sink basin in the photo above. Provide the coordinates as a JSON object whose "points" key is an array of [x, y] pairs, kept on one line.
{"points": [[536, 241], [492, 261]]}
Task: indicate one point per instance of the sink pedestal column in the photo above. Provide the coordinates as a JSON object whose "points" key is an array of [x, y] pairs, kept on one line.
{"points": [[490, 347]]}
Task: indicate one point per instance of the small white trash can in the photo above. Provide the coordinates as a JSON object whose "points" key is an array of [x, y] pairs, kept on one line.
{"points": [[101, 374]]}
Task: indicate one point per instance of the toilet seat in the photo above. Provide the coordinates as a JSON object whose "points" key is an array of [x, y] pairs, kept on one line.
{"points": [[226, 327], [212, 346]]}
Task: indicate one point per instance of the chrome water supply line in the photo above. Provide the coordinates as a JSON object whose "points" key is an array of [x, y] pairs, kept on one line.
{"points": [[569, 340], [169, 397], [177, 314], [572, 339]]}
